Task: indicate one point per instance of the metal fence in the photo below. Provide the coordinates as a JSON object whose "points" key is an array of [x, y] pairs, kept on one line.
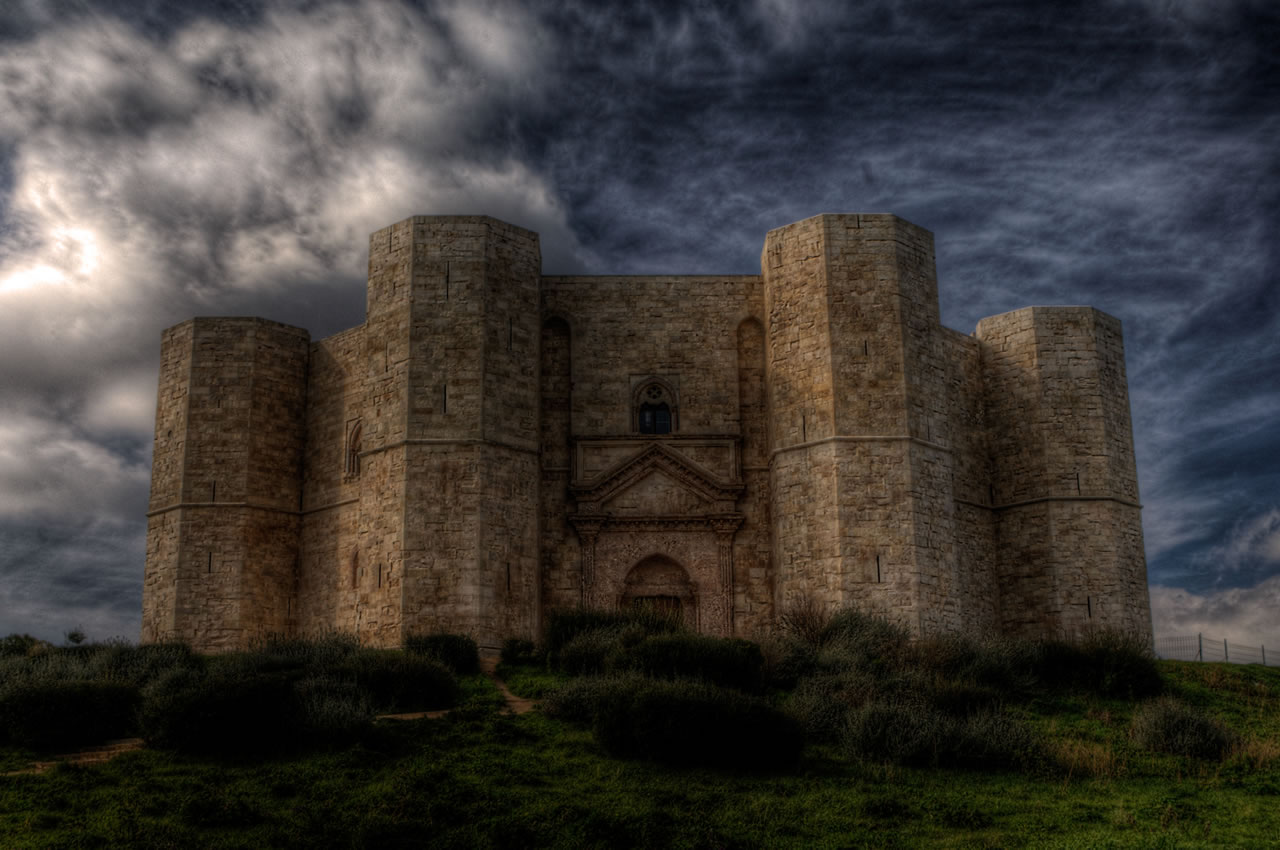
{"points": [[1203, 648]]}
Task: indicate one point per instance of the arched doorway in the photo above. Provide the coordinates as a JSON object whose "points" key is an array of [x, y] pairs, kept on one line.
{"points": [[660, 583]]}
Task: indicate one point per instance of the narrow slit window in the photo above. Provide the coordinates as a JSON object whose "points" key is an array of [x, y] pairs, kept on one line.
{"points": [[355, 434]]}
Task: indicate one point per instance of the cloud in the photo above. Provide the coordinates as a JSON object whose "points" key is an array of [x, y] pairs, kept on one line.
{"points": [[1244, 615], [213, 167], [154, 179], [74, 571], [52, 470]]}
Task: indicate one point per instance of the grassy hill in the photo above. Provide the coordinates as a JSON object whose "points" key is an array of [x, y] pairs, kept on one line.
{"points": [[479, 777]]}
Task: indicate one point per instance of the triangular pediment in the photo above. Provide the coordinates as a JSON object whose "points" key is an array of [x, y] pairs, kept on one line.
{"points": [[656, 494], [670, 471]]}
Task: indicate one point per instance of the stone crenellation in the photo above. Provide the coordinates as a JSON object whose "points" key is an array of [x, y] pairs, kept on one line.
{"points": [[493, 443]]}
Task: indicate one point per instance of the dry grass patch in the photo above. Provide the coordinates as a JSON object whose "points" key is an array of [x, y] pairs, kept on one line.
{"points": [[1255, 752], [1088, 758]]}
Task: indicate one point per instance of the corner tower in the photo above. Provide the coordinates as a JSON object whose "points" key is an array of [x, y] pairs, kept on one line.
{"points": [[860, 471], [222, 529], [449, 479], [1064, 483]]}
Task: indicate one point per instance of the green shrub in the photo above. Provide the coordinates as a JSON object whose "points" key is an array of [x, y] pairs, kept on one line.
{"points": [[334, 712], [1107, 663], [43, 714], [518, 652], [852, 639], [787, 660], [821, 703], [395, 681], [1121, 665], [1002, 664], [591, 652], [457, 652], [138, 665], [1167, 725], [578, 700], [563, 625], [908, 734], [804, 621], [728, 662], [692, 723], [914, 733], [281, 654], [22, 645], [229, 710]]}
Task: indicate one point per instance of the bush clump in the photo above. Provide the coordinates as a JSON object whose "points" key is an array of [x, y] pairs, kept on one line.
{"points": [[287, 694], [287, 654], [594, 651], [138, 665], [1168, 725], [852, 639], [914, 733], [22, 645], [727, 662], [566, 624], [226, 710], [821, 703], [578, 701], [334, 711], [43, 714], [519, 652], [457, 652], [692, 723], [394, 681]]}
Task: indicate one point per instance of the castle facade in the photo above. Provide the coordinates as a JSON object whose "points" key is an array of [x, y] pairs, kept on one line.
{"points": [[493, 443]]}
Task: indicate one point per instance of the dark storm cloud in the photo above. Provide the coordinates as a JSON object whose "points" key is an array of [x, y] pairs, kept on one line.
{"points": [[60, 575], [160, 160]]}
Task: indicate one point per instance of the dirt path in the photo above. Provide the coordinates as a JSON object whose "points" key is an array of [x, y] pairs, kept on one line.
{"points": [[110, 749], [515, 704], [104, 752]]}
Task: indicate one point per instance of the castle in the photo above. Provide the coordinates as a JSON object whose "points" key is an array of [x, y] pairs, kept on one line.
{"points": [[493, 443]]}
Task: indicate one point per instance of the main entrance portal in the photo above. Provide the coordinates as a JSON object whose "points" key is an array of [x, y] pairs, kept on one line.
{"points": [[660, 583]]}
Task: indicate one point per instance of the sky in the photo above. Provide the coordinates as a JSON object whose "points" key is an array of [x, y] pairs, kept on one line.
{"points": [[161, 159]]}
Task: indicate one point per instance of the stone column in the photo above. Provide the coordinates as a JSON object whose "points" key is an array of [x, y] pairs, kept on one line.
{"points": [[588, 530], [725, 529]]}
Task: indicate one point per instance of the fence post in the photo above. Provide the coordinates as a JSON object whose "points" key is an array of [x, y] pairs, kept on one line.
{"points": [[1225, 656], [1200, 651], [1264, 656]]}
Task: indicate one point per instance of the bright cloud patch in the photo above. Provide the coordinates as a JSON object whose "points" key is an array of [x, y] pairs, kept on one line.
{"points": [[1244, 615], [220, 169]]}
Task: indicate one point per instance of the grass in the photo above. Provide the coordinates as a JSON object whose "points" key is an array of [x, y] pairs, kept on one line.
{"points": [[478, 777]]}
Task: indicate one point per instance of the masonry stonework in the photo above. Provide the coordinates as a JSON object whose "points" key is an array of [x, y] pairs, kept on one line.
{"points": [[493, 443]]}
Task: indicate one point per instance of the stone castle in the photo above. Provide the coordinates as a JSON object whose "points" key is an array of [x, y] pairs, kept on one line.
{"points": [[493, 443]]}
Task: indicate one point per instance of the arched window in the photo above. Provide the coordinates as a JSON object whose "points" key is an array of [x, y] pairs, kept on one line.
{"points": [[352, 455], [654, 408]]}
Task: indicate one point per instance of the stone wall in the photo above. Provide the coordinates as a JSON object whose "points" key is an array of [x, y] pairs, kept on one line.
{"points": [[695, 334], [330, 572]]}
